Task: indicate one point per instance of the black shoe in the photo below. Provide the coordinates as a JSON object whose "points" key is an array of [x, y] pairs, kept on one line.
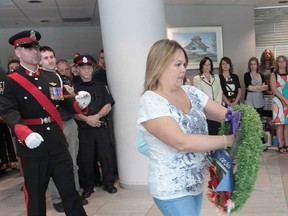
{"points": [[87, 193], [58, 207], [83, 201], [98, 184], [110, 189]]}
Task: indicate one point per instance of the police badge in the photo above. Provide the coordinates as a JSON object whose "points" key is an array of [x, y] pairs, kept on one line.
{"points": [[33, 35], [85, 60], [2, 85]]}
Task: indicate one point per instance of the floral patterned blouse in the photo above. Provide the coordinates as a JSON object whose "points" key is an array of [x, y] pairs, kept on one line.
{"points": [[174, 174]]}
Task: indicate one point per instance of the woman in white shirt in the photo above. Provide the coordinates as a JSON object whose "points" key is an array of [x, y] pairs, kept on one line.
{"points": [[172, 119], [210, 84]]}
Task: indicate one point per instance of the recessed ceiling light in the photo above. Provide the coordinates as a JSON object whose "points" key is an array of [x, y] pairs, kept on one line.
{"points": [[34, 1], [271, 7]]}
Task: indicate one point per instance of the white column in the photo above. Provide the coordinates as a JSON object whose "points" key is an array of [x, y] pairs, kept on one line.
{"points": [[129, 28]]}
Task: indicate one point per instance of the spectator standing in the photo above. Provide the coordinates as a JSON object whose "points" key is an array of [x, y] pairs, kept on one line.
{"points": [[100, 75], [209, 83], [267, 65], [48, 62], [255, 85], [229, 82], [279, 86], [100, 72], [13, 65], [94, 138]]}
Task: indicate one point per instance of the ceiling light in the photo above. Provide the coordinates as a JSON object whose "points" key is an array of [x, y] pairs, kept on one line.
{"points": [[271, 7], [34, 1]]}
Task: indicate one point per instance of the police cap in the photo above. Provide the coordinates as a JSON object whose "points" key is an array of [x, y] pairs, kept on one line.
{"points": [[84, 60], [25, 39]]}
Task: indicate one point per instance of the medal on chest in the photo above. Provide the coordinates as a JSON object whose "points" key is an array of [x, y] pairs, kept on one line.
{"points": [[56, 93]]}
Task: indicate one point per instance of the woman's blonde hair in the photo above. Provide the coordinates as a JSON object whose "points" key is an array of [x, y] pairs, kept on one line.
{"points": [[158, 59]]}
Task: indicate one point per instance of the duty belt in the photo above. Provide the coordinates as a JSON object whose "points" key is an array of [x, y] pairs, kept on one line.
{"points": [[39, 121]]}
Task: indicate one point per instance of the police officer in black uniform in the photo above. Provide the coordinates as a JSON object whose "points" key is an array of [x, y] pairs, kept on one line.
{"points": [[94, 137], [28, 104]]}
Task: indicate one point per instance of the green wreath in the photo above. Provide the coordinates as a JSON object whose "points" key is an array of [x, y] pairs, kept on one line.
{"points": [[247, 153]]}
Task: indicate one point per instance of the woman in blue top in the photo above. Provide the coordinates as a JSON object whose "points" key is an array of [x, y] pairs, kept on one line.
{"points": [[172, 119]]}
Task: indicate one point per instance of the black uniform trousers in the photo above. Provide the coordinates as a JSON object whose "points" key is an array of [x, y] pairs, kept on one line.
{"points": [[37, 172], [95, 143], [7, 151]]}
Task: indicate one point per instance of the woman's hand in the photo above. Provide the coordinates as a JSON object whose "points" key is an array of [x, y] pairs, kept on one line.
{"points": [[230, 140]]}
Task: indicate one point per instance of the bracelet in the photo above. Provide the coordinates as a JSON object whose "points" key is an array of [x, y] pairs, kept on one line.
{"points": [[225, 141]]}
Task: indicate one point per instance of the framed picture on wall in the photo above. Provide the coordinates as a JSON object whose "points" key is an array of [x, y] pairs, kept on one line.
{"points": [[199, 42]]}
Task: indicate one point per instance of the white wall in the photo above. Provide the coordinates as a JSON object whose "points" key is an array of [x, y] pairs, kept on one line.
{"points": [[237, 22], [65, 41], [238, 29]]}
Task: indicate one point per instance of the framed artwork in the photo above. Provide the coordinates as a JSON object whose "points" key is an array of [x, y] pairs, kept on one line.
{"points": [[199, 42]]}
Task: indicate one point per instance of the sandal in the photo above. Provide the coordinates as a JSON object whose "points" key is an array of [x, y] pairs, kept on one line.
{"points": [[282, 149]]}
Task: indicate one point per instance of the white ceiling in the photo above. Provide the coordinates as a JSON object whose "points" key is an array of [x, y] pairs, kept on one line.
{"points": [[57, 13]]}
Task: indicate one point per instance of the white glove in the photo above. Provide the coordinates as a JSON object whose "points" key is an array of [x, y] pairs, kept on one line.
{"points": [[33, 140], [83, 98]]}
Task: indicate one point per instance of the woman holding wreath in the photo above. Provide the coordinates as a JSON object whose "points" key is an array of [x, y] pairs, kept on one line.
{"points": [[172, 119]]}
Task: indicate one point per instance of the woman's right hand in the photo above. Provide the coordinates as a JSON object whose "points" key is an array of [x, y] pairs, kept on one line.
{"points": [[230, 140]]}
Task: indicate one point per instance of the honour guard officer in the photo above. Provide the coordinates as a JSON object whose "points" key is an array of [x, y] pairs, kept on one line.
{"points": [[94, 137], [28, 104]]}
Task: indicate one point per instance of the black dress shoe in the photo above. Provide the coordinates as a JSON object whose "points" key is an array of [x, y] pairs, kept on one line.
{"points": [[87, 193], [83, 201], [98, 184], [58, 207], [110, 189]]}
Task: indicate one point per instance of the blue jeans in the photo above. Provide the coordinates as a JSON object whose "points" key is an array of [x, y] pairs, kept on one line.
{"points": [[183, 206]]}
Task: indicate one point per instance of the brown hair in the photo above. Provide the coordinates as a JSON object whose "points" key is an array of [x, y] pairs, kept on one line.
{"points": [[257, 62], [228, 61]]}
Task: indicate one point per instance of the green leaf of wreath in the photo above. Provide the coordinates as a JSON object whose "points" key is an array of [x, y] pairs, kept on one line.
{"points": [[248, 155]]}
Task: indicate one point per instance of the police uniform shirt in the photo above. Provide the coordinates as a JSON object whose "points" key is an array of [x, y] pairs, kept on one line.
{"points": [[100, 95]]}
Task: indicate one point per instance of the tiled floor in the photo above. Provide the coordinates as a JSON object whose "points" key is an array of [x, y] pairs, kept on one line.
{"points": [[268, 197]]}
